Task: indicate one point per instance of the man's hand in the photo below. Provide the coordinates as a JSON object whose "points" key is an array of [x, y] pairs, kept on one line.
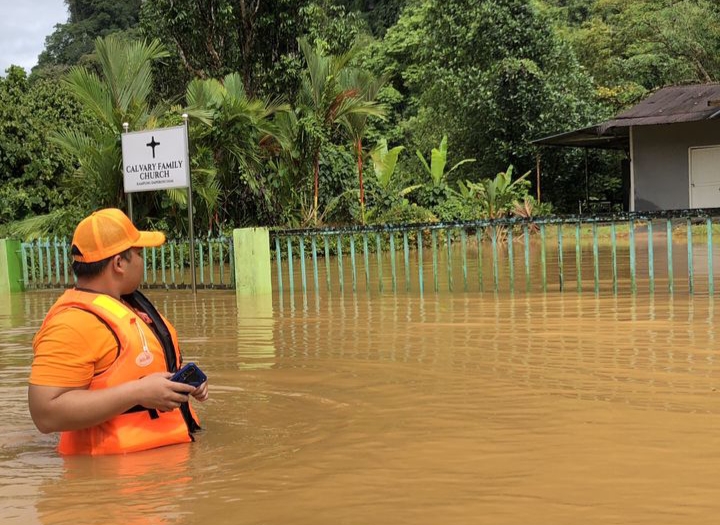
{"points": [[201, 393], [158, 392]]}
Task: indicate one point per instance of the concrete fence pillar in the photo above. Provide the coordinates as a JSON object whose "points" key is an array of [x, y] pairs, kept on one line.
{"points": [[253, 273], [10, 267]]}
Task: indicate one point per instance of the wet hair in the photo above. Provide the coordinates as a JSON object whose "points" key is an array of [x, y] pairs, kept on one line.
{"points": [[93, 269]]}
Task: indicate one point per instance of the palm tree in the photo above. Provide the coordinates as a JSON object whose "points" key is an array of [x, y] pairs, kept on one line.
{"points": [[355, 123], [119, 93], [327, 96], [234, 128], [289, 163]]}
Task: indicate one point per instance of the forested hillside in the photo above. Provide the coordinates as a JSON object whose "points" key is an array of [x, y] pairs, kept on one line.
{"points": [[338, 112]]}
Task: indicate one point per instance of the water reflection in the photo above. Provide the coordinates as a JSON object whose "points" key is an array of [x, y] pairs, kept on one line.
{"points": [[461, 408], [602, 348], [254, 335], [142, 488]]}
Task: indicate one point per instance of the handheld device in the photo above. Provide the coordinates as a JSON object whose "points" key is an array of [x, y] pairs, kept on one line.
{"points": [[190, 374]]}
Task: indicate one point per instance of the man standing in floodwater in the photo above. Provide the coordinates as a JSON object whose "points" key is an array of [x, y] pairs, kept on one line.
{"points": [[104, 355]]}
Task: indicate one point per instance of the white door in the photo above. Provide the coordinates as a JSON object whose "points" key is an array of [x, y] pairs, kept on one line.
{"points": [[705, 177]]}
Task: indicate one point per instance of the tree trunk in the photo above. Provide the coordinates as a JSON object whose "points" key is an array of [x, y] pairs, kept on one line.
{"points": [[360, 166], [358, 146], [316, 169]]}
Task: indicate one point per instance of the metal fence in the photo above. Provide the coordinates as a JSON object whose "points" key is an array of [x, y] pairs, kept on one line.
{"points": [[46, 263], [620, 253]]}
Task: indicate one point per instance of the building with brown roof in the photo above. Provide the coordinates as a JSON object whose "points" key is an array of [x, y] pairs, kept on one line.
{"points": [[672, 140]]}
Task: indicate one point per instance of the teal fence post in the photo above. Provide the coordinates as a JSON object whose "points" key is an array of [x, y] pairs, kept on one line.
{"points": [[711, 279], [651, 257], [252, 261], [10, 267]]}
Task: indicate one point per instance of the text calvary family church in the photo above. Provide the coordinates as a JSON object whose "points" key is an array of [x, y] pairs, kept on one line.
{"points": [[154, 170]]}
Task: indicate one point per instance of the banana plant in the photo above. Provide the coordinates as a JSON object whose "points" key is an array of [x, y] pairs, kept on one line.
{"points": [[384, 163], [438, 161], [498, 195]]}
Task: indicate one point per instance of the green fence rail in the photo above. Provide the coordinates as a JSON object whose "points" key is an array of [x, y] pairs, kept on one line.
{"points": [[46, 263], [668, 252], [619, 253]]}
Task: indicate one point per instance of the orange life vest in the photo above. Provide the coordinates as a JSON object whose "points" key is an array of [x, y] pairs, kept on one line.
{"points": [[141, 352]]}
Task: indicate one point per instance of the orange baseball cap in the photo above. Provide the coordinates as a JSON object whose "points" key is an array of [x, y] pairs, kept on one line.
{"points": [[108, 232]]}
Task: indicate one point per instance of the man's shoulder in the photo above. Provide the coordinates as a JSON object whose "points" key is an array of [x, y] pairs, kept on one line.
{"points": [[70, 348], [74, 316], [77, 322]]}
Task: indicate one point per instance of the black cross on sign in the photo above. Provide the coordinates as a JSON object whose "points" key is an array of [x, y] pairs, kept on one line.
{"points": [[152, 145]]}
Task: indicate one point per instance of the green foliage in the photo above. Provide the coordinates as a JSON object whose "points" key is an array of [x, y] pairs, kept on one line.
{"points": [[333, 94], [258, 39], [633, 46], [355, 123], [286, 171], [32, 171], [380, 15], [119, 94], [206, 196], [406, 213], [436, 190], [231, 127], [529, 207], [59, 222], [438, 161], [331, 28], [384, 163], [492, 76], [489, 198], [213, 38], [72, 42], [487, 76], [499, 195], [388, 197], [339, 202]]}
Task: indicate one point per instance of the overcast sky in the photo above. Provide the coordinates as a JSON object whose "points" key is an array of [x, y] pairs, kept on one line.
{"points": [[24, 24]]}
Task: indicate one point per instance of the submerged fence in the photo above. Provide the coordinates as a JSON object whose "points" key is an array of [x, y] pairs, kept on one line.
{"points": [[46, 263], [623, 253]]}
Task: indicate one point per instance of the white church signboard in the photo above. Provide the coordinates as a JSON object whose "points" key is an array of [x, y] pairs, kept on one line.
{"points": [[155, 159]]}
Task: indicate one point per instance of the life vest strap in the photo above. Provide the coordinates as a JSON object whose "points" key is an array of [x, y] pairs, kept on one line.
{"points": [[139, 408]]}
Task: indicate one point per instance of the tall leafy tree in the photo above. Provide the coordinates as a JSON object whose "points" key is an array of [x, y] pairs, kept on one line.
{"points": [[212, 38], [491, 74], [32, 170], [380, 14], [88, 20], [258, 39], [633, 46]]}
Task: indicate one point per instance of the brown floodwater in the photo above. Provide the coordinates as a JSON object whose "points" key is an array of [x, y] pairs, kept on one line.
{"points": [[399, 409]]}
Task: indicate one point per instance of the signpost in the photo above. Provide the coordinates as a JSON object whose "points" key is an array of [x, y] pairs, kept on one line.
{"points": [[159, 159], [156, 159]]}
